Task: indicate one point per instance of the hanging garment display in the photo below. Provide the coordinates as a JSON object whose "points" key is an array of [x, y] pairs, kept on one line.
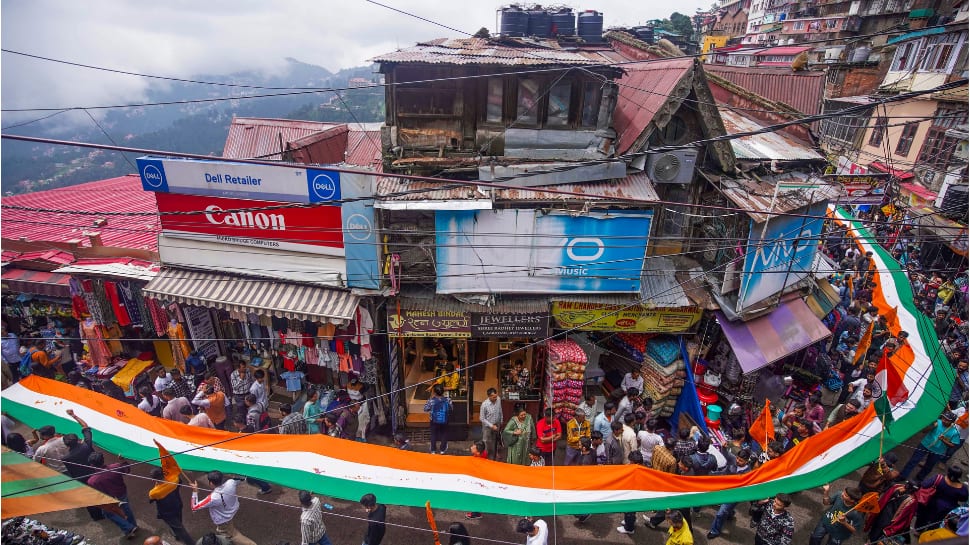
{"points": [[98, 350], [180, 348], [120, 312], [126, 295]]}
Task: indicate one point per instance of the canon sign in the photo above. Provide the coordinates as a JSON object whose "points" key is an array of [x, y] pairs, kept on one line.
{"points": [[258, 220]]}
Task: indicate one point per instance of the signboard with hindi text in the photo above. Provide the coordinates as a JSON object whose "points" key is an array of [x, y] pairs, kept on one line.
{"points": [[631, 318]]}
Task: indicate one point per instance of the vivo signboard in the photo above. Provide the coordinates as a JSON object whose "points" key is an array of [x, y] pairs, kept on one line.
{"points": [[783, 256], [240, 180], [528, 251]]}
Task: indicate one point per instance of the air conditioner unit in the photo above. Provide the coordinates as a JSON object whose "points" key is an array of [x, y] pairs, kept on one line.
{"points": [[672, 167]]}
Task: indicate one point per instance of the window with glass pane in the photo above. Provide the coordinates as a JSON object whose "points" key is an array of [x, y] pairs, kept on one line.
{"points": [[591, 103], [558, 111], [878, 131], [906, 138], [527, 111], [493, 106]]}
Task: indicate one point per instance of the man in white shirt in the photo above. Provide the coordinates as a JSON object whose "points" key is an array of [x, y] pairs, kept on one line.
{"points": [[633, 379], [173, 405], [648, 438], [223, 504], [259, 390], [588, 406], [537, 532], [490, 414]]}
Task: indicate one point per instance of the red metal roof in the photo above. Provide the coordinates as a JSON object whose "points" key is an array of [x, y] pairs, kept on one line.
{"points": [[882, 167], [364, 148], [800, 90], [260, 138], [919, 190], [326, 147], [644, 89], [123, 194], [56, 257]]}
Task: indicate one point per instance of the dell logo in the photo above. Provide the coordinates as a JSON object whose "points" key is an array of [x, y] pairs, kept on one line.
{"points": [[324, 187], [152, 176]]}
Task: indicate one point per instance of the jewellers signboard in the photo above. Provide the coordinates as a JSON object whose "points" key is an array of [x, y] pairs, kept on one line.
{"points": [[240, 180], [631, 318], [458, 324], [861, 188], [484, 326]]}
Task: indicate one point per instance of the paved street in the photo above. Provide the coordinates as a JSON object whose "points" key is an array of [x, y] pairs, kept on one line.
{"points": [[272, 519]]}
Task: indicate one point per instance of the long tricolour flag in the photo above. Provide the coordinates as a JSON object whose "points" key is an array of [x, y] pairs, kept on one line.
{"points": [[349, 469]]}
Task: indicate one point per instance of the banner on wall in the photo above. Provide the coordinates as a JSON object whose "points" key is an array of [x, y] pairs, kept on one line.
{"points": [[529, 251], [631, 318], [779, 254], [245, 222], [201, 330], [463, 325], [861, 188]]}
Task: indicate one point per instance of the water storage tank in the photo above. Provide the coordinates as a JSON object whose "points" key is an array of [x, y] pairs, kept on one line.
{"points": [[591, 26], [540, 23], [563, 23], [644, 33], [515, 22]]}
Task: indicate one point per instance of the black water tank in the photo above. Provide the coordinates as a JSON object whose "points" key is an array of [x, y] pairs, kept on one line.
{"points": [[564, 23], [955, 203], [644, 33], [540, 23], [591, 26], [515, 22]]}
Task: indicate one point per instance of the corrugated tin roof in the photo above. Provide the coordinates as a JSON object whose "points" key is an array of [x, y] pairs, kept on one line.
{"points": [[659, 285], [644, 89], [497, 304], [364, 148], [260, 137], [862, 99], [123, 194], [783, 50], [117, 269], [800, 90], [480, 51], [636, 186], [754, 196], [765, 146]]}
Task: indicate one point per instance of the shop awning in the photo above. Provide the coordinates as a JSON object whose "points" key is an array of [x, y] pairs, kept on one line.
{"points": [[48, 284], [879, 166], [762, 341], [22, 495], [259, 296]]}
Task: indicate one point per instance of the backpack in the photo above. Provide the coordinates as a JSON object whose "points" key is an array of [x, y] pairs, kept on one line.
{"points": [[265, 422], [439, 411], [26, 360]]}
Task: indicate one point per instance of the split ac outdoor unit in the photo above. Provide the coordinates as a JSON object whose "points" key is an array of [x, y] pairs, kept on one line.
{"points": [[672, 167]]}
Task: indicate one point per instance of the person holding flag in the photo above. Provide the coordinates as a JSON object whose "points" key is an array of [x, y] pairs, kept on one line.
{"points": [[841, 520], [166, 495], [762, 429], [932, 447]]}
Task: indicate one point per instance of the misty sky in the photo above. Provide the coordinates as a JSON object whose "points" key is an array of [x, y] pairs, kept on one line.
{"points": [[181, 38]]}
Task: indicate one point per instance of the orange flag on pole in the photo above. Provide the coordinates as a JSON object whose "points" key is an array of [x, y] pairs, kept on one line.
{"points": [[170, 473], [864, 343], [762, 429], [869, 503], [434, 525]]}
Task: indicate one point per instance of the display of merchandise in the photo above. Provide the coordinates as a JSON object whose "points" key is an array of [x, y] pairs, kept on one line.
{"points": [[567, 367], [661, 365], [25, 531]]}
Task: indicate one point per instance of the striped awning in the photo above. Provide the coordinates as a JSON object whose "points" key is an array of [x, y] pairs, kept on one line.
{"points": [[30, 488], [253, 295], [48, 284]]}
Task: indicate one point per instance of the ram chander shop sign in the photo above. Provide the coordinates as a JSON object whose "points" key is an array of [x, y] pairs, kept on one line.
{"points": [[240, 180], [474, 325], [630, 318]]}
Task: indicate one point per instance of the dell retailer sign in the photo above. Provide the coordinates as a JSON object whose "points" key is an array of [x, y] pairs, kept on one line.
{"points": [[265, 188], [238, 180]]}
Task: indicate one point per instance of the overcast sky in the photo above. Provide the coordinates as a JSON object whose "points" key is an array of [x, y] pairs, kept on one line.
{"points": [[181, 38]]}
